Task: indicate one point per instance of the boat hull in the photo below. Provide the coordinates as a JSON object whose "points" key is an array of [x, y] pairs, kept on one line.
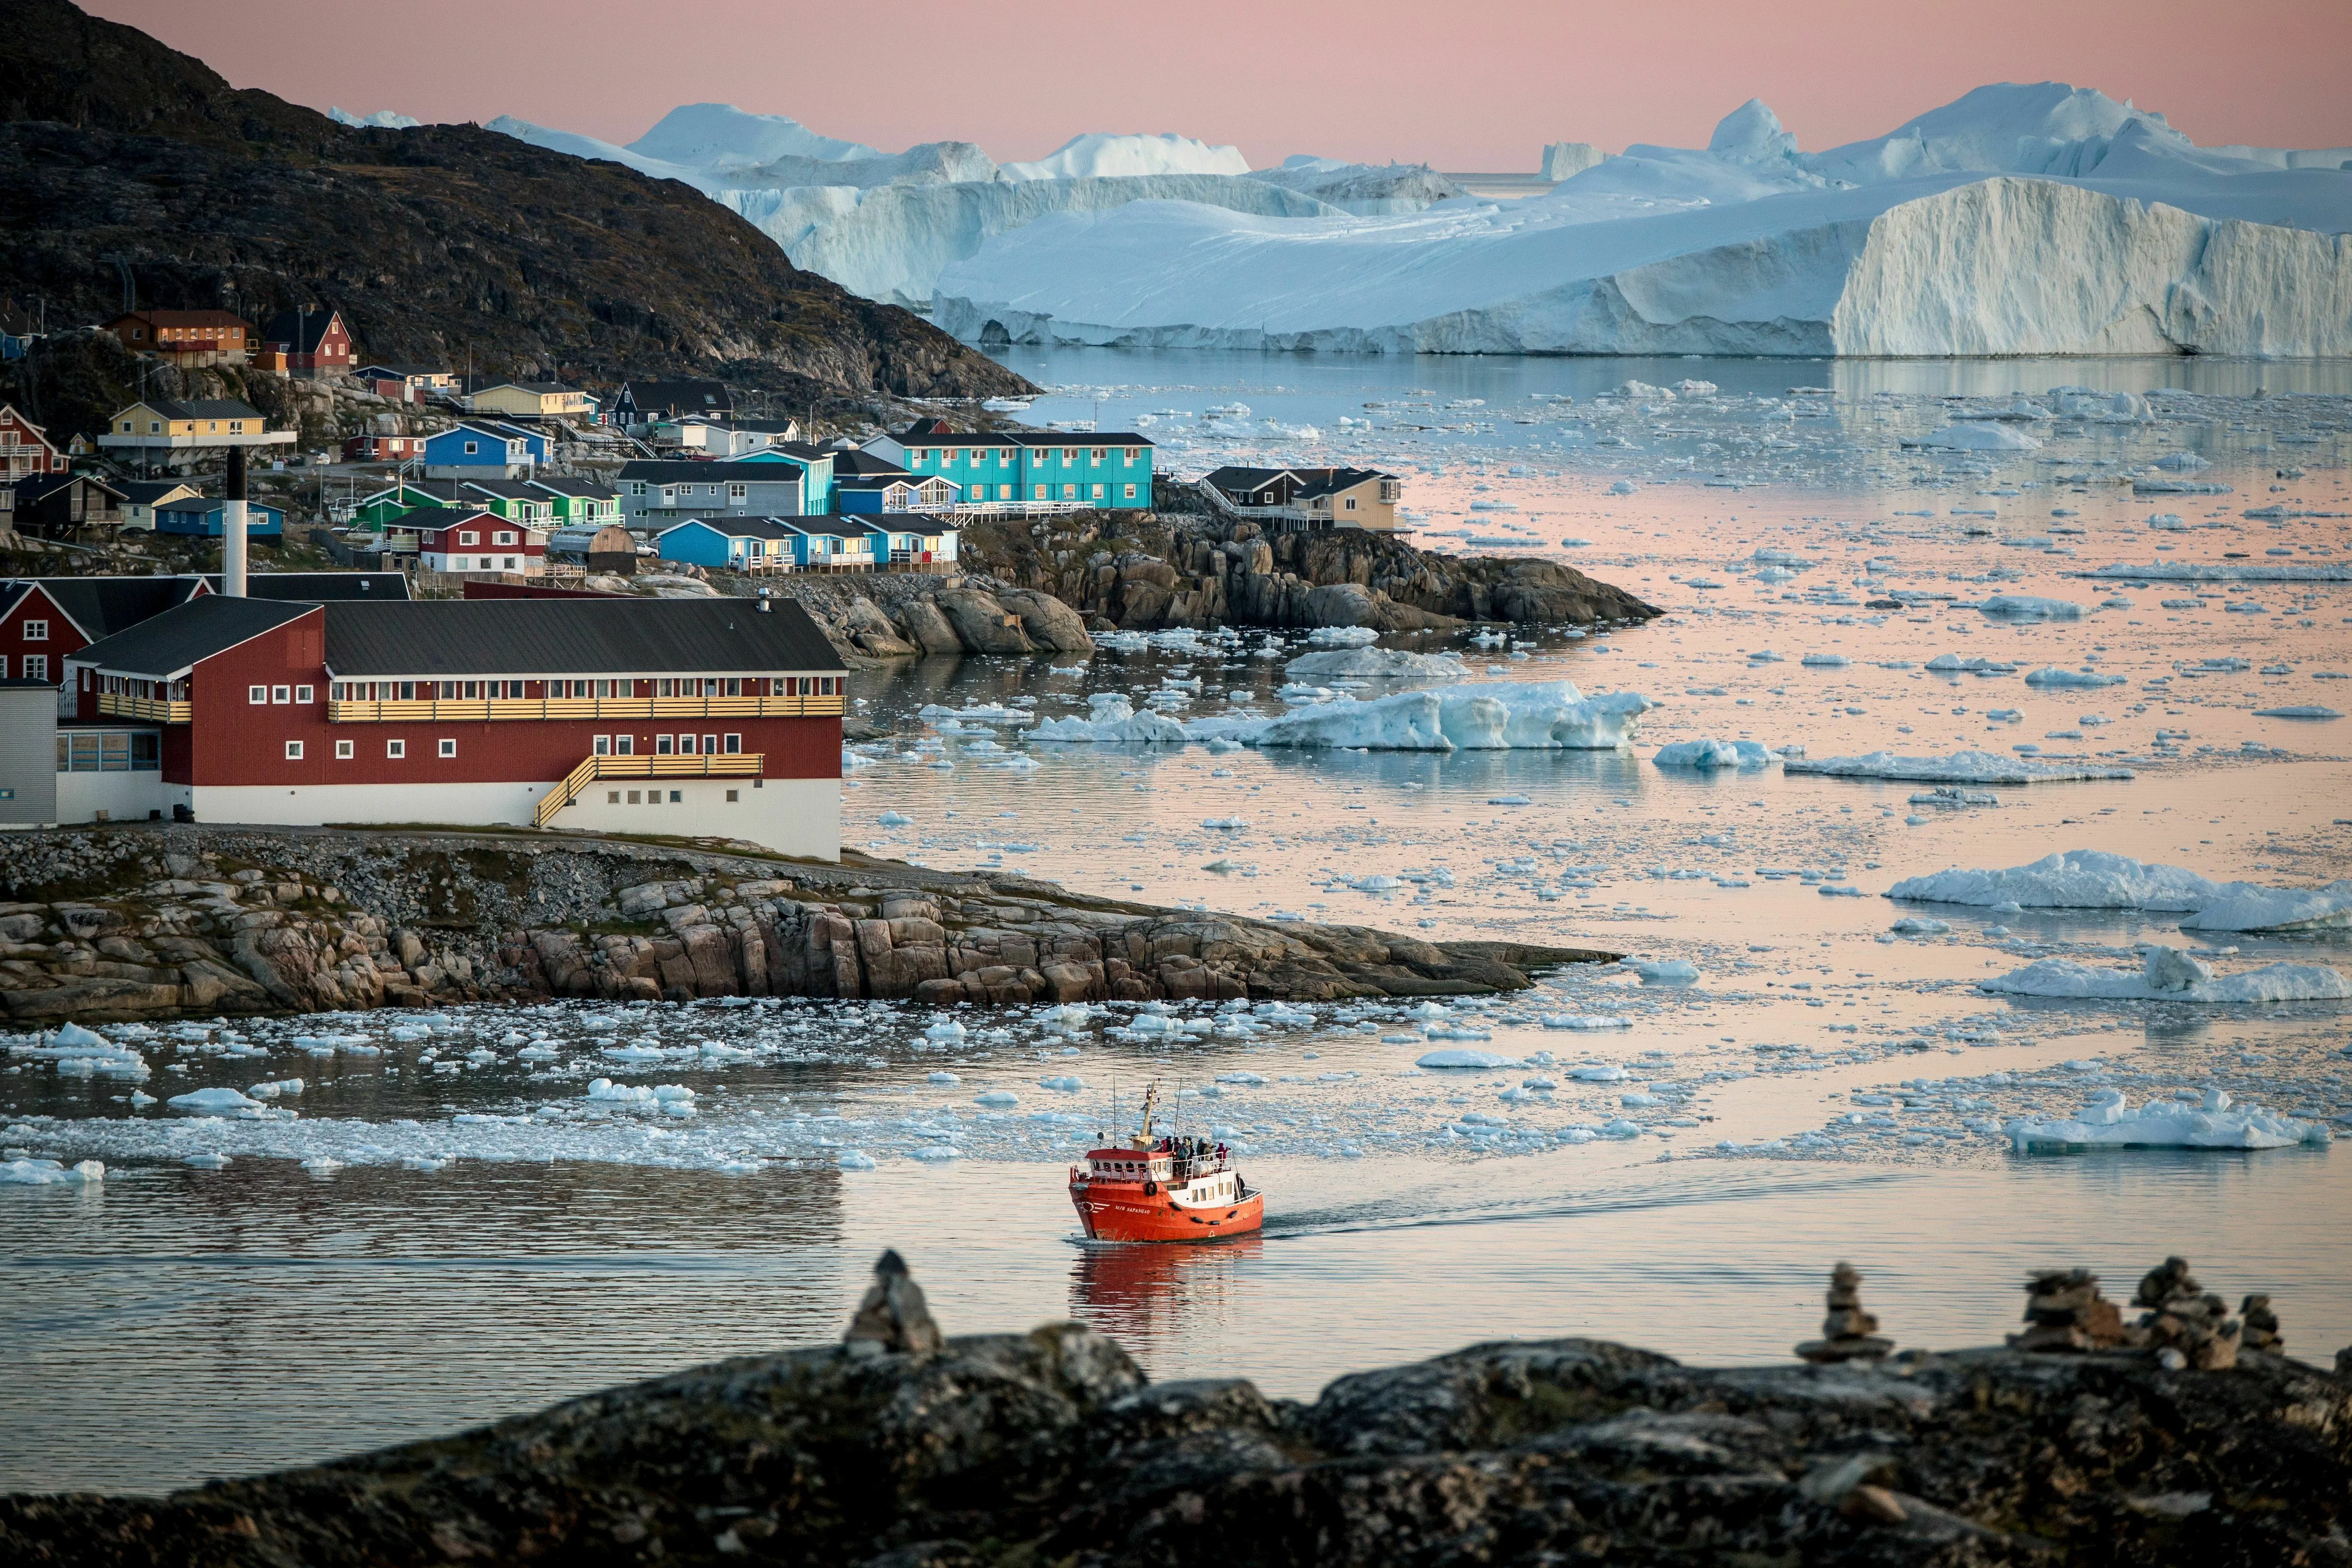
{"points": [[1113, 1211]]}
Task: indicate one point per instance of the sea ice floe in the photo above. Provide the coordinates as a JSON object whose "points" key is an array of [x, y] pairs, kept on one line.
{"points": [[2110, 1121], [1967, 767], [1457, 1057], [2168, 975], [51, 1172], [2050, 675], [2031, 607], [1667, 972], [1712, 754], [211, 1101], [2094, 879]]}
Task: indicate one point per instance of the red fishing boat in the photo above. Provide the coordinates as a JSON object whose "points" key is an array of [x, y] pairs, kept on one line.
{"points": [[1167, 1188]]}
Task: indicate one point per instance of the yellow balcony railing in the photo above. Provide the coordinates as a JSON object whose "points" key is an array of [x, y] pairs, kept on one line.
{"points": [[478, 708], [717, 764], [154, 709]]}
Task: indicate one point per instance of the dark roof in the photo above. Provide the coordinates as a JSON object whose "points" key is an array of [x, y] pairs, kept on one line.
{"points": [[165, 645], [452, 637], [422, 516], [924, 429], [1306, 482], [1023, 437], [101, 606], [147, 492], [678, 396], [594, 490], [320, 587], [207, 505], [439, 490], [848, 461], [302, 329], [505, 489], [33, 487], [1234, 478], [665, 471], [896, 522], [403, 369], [734, 527], [728, 422], [185, 318]]}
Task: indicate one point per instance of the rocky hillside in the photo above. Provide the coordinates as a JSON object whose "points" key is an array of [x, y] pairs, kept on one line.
{"points": [[901, 1449], [138, 922], [437, 242]]}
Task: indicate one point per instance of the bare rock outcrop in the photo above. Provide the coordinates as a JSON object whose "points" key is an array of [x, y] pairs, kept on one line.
{"points": [[148, 923], [901, 1446]]}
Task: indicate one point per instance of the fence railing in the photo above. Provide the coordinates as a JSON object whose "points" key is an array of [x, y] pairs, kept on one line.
{"points": [[494, 708], [721, 764]]}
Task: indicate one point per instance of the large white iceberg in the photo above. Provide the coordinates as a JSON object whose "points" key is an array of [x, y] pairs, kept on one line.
{"points": [[2019, 220], [1959, 768], [1712, 754], [2111, 1121], [2094, 879]]}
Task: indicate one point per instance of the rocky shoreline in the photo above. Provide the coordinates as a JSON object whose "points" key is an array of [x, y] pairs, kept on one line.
{"points": [[146, 922], [903, 1449], [1049, 585]]}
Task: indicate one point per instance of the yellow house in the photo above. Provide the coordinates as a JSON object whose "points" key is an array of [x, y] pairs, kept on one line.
{"points": [[161, 419], [533, 400]]}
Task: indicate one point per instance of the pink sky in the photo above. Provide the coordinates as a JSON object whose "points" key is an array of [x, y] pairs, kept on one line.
{"points": [[1464, 87]]}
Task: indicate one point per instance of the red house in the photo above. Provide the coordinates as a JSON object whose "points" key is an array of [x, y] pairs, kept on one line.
{"points": [[310, 341], [479, 544], [695, 716], [46, 620], [382, 448], [23, 449]]}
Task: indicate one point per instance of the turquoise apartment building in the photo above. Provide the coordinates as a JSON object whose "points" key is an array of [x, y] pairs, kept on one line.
{"points": [[1026, 470]]}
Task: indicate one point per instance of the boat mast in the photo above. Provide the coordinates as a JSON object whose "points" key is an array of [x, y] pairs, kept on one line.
{"points": [[1142, 1139]]}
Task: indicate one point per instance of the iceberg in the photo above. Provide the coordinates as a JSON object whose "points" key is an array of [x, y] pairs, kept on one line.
{"points": [[1546, 716], [381, 120], [2094, 879], [1971, 237], [1713, 753], [1111, 720], [2172, 979], [2111, 1121], [1374, 664], [2231, 572], [2050, 675], [1096, 155], [1978, 437], [1458, 1058], [1967, 767], [2031, 607]]}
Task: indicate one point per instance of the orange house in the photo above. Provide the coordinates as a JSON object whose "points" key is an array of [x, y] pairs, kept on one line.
{"points": [[189, 339]]}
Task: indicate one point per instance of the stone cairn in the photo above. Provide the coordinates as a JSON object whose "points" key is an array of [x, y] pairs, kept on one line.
{"points": [[1848, 1333], [893, 1318], [2066, 1312], [2186, 1326], [2261, 1326]]}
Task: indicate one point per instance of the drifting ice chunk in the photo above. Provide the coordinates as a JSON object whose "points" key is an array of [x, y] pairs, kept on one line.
{"points": [[1977, 436], [212, 1100], [2031, 607], [1459, 1058], [2050, 675], [1667, 972], [1971, 767], [1712, 754], [1549, 716], [2272, 982], [1342, 636], [50, 1172], [2111, 1121], [2093, 879]]}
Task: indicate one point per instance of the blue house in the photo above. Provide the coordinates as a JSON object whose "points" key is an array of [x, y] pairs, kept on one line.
{"points": [[200, 517], [908, 539], [828, 544], [875, 493], [484, 449], [733, 544], [1026, 470]]}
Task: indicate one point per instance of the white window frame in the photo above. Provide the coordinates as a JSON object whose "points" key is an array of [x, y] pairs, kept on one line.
{"points": [[257, 696], [305, 694], [293, 751], [37, 631], [447, 747], [396, 750], [281, 694], [600, 745], [343, 751]]}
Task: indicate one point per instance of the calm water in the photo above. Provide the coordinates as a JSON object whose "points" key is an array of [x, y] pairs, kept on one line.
{"points": [[1811, 1097]]}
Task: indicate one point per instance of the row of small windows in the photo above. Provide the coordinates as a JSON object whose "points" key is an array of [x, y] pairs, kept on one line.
{"points": [[604, 746], [120, 753], [918, 457], [669, 745], [570, 689]]}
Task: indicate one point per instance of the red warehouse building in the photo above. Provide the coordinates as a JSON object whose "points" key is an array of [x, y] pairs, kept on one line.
{"points": [[691, 716]]}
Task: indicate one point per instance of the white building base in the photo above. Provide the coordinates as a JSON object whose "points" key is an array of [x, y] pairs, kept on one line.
{"points": [[791, 816], [113, 797]]}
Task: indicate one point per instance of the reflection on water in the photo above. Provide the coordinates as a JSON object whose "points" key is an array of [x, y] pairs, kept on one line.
{"points": [[1166, 1303]]}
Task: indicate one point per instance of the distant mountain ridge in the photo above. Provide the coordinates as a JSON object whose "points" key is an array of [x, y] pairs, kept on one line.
{"points": [[438, 243]]}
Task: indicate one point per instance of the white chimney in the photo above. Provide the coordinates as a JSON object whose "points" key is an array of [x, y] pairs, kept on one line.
{"points": [[233, 527]]}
